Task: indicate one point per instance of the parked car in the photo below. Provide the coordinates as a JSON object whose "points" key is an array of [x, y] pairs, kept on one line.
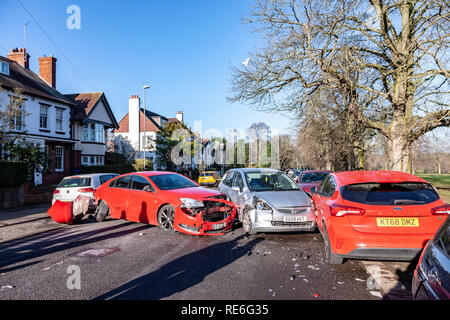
{"points": [[81, 185], [268, 201], [376, 215], [431, 280], [166, 199], [311, 178], [209, 178]]}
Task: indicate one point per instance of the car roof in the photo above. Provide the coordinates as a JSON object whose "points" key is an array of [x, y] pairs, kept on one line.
{"points": [[152, 173], [256, 170], [90, 175], [351, 177], [316, 171]]}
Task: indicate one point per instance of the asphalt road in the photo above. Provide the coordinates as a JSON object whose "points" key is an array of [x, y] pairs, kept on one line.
{"points": [[40, 259]]}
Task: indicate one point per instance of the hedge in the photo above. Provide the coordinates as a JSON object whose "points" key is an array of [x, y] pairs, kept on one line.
{"points": [[113, 168], [13, 174]]}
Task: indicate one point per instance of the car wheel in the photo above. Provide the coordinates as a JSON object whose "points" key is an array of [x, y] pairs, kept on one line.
{"points": [[102, 211], [78, 218], [166, 216], [330, 256], [247, 223]]}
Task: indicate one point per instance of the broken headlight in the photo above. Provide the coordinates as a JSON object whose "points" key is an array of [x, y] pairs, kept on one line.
{"points": [[191, 203], [260, 204]]}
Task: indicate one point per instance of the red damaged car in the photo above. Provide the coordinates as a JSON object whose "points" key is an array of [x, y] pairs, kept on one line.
{"points": [[166, 199]]}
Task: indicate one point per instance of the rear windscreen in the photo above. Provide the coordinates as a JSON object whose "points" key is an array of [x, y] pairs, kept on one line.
{"points": [[408, 193], [74, 182], [206, 174]]}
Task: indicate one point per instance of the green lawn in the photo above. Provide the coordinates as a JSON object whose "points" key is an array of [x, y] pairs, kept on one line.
{"points": [[440, 182]]}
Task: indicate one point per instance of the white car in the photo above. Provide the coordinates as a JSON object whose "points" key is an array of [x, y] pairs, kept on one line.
{"points": [[81, 185]]}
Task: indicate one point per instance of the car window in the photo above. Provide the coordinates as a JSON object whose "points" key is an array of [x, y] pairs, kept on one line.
{"points": [[268, 181], [322, 185], [228, 179], [112, 183], [329, 187], [106, 177], [123, 182], [407, 193], [313, 176], [206, 174], [172, 181], [139, 183], [443, 239], [238, 181], [74, 182]]}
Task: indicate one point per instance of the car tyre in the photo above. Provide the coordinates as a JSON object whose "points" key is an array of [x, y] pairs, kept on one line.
{"points": [[166, 217], [330, 256], [102, 211], [247, 223]]}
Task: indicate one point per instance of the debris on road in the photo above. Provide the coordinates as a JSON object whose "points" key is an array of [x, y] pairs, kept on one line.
{"points": [[376, 294], [316, 295], [292, 277], [6, 287], [313, 267]]}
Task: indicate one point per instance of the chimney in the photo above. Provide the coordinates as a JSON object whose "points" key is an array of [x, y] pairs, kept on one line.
{"points": [[47, 70], [180, 116], [20, 56], [133, 120]]}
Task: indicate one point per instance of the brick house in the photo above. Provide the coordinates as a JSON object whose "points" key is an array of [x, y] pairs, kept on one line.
{"points": [[47, 117]]}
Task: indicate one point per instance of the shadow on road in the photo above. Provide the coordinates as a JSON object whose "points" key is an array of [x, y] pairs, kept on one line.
{"points": [[54, 240], [402, 291], [183, 272]]}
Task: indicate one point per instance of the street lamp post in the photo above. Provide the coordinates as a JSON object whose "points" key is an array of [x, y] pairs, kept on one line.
{"points": [[145, 116]]}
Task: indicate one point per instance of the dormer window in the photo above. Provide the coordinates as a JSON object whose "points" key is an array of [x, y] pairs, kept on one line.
{"points": [[4, 67]]}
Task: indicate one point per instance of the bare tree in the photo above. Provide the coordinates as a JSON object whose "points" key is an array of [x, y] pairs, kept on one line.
{"points": [[397, 50]]}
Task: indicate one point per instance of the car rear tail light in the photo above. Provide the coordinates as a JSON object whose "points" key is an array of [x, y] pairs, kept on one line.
{"points": [[86, 190], [340, 211], [56, 192], [442, 210]]}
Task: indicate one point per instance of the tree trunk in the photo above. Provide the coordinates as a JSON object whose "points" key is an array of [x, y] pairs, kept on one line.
{"points": [[399, 154]]}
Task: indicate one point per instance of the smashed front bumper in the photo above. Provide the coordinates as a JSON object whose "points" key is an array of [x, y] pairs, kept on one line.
{"points": [[283, 220], [214, 219]]}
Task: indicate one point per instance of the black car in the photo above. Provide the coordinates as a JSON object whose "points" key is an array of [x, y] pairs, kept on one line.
{"points": [[432, 275]]}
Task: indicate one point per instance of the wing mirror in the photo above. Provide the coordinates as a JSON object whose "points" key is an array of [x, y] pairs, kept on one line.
{"points": [[149, 188], [236, 189]]}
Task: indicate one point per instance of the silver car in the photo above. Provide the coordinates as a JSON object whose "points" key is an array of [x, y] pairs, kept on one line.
{"points": [[268, 200], [85, 185]]}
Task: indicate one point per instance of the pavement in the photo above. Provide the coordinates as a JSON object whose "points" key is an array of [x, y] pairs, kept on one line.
{"points": [[117, 259]]}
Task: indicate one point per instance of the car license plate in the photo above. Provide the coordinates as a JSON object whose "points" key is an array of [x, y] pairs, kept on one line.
{"points": [[294, 219], [397, 222], [219, 226]]}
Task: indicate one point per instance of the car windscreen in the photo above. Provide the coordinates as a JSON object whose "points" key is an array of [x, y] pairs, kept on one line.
{"points": [[266, 181], [206, 174], [406, 193], [314, 176], [74, 182], [172, 181]]}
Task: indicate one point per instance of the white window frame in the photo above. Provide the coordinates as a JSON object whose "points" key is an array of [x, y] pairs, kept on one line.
{"points": [[61, 111], [43, 106], [62, 158], [85, 163], [6, 65]]}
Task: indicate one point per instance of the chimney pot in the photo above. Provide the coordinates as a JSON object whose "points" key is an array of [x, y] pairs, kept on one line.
{"points": [[21, 57]]}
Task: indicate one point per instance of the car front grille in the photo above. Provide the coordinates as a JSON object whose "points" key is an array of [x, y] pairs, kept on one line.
{"points": [[292, 224], [293, 210]]}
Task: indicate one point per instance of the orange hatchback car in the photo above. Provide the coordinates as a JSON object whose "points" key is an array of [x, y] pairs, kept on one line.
{"points": [[381, 215]]}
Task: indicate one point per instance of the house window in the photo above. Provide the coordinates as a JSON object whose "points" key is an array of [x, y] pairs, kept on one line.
{"points": [[93, 132], [4, 68], [85, 161], [43, 117], [17, 121], [99, 133], [59, 119], [59, 158], [147, 142]]}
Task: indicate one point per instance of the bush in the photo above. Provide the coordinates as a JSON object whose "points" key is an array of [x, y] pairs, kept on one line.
{"points": [[115, 158], [113, 168], [13, 174]]}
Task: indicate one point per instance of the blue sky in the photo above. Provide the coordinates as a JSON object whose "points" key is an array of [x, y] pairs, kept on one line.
{"points": [[183, 49]]}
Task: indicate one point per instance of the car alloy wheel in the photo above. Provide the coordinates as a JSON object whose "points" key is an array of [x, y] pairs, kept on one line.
{"points": [[247, 223], [165, 217], [330, 256]]}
